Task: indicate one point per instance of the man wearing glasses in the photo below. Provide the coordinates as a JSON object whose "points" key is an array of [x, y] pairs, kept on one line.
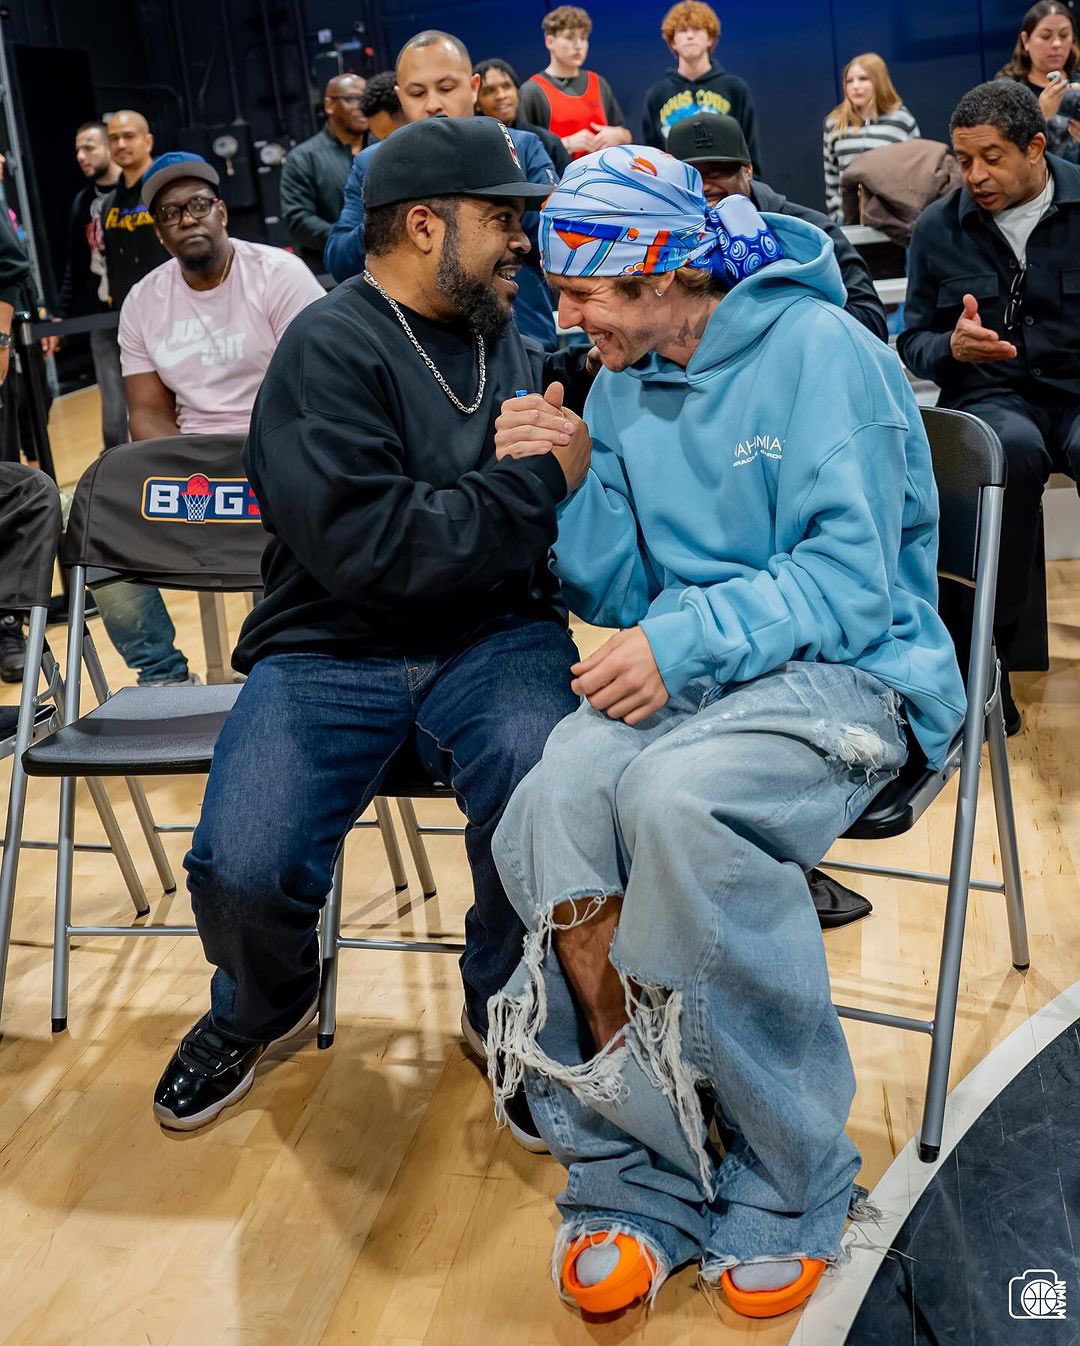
{"points": [[197, 334], [992, 314], [315, 172]]}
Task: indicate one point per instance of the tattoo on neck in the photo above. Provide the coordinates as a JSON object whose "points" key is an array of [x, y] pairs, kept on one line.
{"points": [[693, 328]]}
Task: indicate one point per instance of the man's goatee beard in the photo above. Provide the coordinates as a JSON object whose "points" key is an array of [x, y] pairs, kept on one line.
{"points": [[477, 302]]}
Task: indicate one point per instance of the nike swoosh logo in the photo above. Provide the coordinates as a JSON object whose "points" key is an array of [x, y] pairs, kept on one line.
{"points": [[169, 357]]}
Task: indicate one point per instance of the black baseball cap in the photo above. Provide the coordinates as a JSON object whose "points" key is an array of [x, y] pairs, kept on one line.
{"points": [[708, 138], [449, 156]]}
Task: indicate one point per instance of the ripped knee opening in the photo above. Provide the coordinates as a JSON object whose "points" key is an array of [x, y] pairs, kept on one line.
{"points": [[652, 1036]]}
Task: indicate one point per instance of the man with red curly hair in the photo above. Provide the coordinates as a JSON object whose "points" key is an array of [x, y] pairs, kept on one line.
{"points": [[697, 84], [576, 104]]}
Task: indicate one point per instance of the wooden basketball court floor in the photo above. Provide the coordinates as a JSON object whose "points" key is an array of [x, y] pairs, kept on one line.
{"points": [[363, 1195]]}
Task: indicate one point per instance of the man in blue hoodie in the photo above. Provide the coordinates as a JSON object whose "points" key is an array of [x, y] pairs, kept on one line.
{"points": [[760, 524]]}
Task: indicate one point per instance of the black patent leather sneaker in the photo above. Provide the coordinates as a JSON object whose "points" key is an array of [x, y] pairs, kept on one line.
{"points": [[209, 1071]]}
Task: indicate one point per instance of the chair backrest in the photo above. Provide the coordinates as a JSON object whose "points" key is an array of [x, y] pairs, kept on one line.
{"points": [[29, 533], [178, 513], [968, 458]]}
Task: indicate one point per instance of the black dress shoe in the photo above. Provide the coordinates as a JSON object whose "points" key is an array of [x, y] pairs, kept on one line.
{"points": [[209, 1071], [835, 903], [12, 647]]}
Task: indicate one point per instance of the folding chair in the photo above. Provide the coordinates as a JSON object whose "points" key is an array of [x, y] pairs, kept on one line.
{"points": [[176, 513], [969, 467], [405, 781], [29, 534]]}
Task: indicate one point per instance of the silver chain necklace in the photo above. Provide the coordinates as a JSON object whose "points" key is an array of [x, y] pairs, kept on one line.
{"points": [[467, 411]]}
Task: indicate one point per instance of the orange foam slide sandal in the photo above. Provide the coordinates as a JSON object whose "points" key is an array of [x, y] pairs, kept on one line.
{"points": [[631, 1279], [772, 1303]]}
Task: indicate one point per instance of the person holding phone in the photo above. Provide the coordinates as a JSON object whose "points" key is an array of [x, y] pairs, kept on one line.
{"points": [[1045, 59]]}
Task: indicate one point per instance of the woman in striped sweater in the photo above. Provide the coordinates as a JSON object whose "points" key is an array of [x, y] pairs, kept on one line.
{"points": [[872, 114]]}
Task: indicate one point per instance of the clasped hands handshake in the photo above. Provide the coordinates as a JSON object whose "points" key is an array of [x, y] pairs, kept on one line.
{"points": [[621, 677]]}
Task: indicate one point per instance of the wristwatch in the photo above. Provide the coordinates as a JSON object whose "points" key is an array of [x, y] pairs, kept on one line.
{"points": [[5, 340]]}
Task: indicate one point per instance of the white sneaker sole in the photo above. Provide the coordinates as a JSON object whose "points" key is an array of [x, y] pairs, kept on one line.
{"points": [[171, 1122], [478, 1047], [473, 1040]]}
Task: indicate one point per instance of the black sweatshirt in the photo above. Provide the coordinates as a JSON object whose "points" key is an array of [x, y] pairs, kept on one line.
{"points": [[79, 292], [394, 528], [674, 97], [131, 246]]}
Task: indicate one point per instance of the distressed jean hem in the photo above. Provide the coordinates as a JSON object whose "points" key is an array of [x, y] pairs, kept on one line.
{"points": [[611, 1226]]}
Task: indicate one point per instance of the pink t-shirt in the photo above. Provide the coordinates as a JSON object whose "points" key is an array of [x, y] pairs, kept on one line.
{"points": [[211, 347]]}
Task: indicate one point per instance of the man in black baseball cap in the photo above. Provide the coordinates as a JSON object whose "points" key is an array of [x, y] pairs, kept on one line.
{"points": [[408, 603], [716, 147]]}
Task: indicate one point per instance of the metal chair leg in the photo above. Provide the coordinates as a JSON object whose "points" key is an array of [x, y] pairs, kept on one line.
{"points": [[330, 931], [417, 847], [150, 832], [134, 787], [215, 629], [117, 845], [9, 869], [116, 842], [390, 844], [65, 856], [1006, 829], [65, 832], [952, 948]]}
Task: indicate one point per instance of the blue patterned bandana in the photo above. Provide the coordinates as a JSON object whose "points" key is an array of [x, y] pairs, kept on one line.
{"points": [[635, 211]]}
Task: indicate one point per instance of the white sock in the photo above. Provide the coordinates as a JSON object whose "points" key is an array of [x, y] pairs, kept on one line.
{"points": [[596, 1263], [765, 1275]]}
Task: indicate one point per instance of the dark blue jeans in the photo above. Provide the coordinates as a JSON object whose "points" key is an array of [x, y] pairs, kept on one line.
{"points": [[303, 754]]}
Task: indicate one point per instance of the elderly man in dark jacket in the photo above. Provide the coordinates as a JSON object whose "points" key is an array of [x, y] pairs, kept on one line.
{"points": [[716, 147], [992, 313]]}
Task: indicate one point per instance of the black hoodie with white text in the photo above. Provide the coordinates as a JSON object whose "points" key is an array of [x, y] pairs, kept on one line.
{"points": [[674, 97]]}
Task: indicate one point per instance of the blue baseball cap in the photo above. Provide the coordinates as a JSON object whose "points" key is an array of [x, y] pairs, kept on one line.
{"points": [[171, 167]]}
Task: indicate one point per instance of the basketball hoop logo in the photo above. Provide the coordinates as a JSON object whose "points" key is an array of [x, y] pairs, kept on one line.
{"points": [[1037, 1294], [196, 498]]}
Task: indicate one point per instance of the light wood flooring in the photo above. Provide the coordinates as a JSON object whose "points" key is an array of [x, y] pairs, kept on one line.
{"points": [[363, 1195]]}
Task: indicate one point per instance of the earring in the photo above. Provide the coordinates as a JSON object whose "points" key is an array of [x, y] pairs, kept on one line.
{"points": [[660, 294]]}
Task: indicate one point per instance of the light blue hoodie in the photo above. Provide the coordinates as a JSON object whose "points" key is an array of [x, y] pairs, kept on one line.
{"points": [[772, 501]]}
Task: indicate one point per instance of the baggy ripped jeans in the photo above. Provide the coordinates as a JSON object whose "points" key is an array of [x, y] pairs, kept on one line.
{"points": [[704, 818]]}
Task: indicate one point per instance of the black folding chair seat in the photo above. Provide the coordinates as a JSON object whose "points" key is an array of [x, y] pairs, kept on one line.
{"points": [[144, 731], [900, 805]]}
